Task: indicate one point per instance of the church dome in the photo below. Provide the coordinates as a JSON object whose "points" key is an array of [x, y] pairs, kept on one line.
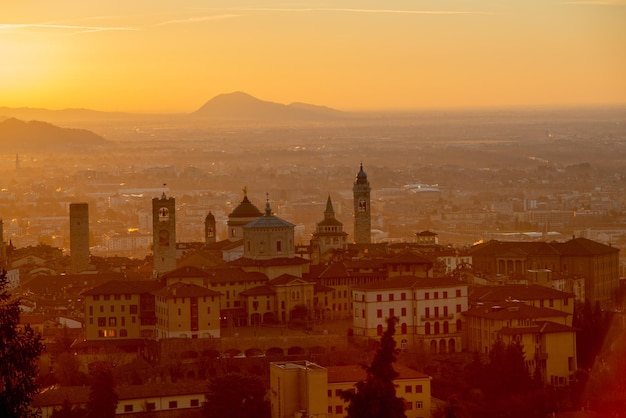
{"points": [[245, 210]]}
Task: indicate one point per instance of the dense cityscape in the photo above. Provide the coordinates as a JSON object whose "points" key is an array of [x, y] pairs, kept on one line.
{"points": [[492, 241]]}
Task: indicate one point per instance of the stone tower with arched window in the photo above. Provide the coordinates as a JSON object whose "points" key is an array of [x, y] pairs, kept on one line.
{"points": [[163, 234], [362, 214]]}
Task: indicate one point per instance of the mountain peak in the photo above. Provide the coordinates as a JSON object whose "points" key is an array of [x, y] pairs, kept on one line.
{"points": [[239, 105]]}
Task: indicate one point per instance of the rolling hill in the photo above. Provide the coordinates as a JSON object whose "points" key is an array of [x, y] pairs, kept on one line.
{"points": [[18, 135]]}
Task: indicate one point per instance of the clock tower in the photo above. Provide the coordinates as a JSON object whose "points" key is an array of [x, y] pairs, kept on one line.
{"points": [[362, 215], [163, 234]]}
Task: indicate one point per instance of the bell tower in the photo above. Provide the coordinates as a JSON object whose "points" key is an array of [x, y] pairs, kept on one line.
{"points": [[362, 215], [209, 229], [163, 234]]}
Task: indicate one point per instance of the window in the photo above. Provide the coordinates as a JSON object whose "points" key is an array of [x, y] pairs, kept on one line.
{"points": [[391, 297], [408, 405], [408, 389], [172, 404], [107, 297], [339, 409], [133, 309], [330, 393], [330, 409], [391, 313], [402, 296], [96, 297], [418, 389], [436, 311], [112, 321], [101, 308], [458, 307], [123, 321], [427, 295], [91, 310], [279, 246], [102, 321], [194, 402], [379, 298], [363, 313], [427, 313], [112, 308], [128, 408], [123, 332], [403, 311], [445, 295], [117, 297], [445, 311], [418, 405], [458, 293], [123, 308], [436, 295], [208, 310], [379, 313]]}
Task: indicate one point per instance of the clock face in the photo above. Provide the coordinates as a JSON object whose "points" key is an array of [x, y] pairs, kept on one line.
{"points": [[362, 205], [164, 214]]}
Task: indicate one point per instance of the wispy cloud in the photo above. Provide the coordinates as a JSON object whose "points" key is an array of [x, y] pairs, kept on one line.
{"points": [[198, 19], [352, 10], [74, 28]]}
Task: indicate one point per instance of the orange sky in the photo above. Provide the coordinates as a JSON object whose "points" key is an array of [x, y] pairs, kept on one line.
{"points": [[165, 56]]}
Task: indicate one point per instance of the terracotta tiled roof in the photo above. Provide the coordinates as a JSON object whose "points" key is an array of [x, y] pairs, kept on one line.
{"points": [[405, 282], [281, 261], [584, 247], [80, 394], [540, 327], [285, 279], [122, 286], [185, 290], [234, 274], [355, 373], [185, 272], [512, 310], [408, 257], [258, 291], [516, 292]]}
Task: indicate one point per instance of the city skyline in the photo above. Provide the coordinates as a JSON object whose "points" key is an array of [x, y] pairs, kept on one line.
{"points": [[157, 58]]}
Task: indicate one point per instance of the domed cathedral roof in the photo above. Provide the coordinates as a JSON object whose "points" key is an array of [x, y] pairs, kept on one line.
{"points": [[269, 220], [244, 213], [361, 177], [269, 237], [245, 209]]}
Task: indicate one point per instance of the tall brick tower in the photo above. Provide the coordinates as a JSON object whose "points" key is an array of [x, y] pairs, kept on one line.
{"points": [[209, 229], [79, 237], [362, 215], [163, 234]]}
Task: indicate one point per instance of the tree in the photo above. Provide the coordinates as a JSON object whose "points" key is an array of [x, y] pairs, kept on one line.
{"points": [[236, 396], [19, 350], [102, 396], [375, 397]]}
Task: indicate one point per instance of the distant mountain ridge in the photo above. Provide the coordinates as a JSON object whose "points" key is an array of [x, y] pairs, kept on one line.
{"points": [[242, 106], [16, 134]]}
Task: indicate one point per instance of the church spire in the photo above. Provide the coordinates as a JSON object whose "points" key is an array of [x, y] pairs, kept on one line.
{"points": [[329, 213]]}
